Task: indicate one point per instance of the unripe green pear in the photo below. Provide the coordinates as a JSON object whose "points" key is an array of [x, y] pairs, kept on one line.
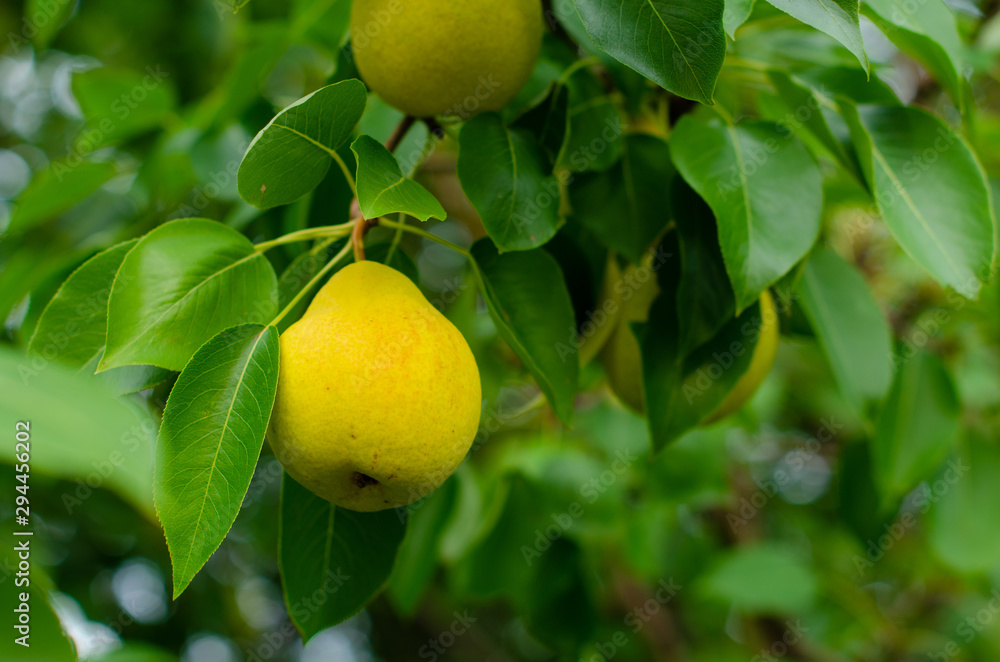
{"points": [[378, 393], [427, 57], [621, 356]]}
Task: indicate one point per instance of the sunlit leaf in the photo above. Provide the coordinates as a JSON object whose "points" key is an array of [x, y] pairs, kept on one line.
{"points": [[212, 432]]}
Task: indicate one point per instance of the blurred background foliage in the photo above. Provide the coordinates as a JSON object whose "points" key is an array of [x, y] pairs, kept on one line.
{"points": [[768, 534]]}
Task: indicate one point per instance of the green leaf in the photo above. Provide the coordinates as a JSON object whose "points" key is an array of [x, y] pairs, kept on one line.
{"points": [[682, 389], [74, 324], [961, 532], [119, 104], [419, 553], [333, 561], [212, 432], [765, 190], [837, 18], [736, 14], [705, 300], [794, 96], [291, 155], [527, 298], [627, 206], [55, 190], [183, 283], [850, 326], [93, 437], [678, 44], [503, 173], [916, 426], [548, 121], [382, 188], [766, 577], [594, 131], [927, 32], [929, 188], [47, 17]]}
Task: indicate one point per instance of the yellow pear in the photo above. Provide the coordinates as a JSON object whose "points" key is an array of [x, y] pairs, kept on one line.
{"points": [[760, 363], [428, 57], [378, 394]]}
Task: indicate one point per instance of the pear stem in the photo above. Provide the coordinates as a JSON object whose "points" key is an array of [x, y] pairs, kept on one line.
{"points": [[312, 283], [400, 132], [361, 226], [307, 234]]}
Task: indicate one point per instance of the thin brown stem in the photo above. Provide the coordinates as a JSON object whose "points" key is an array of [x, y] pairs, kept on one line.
{"points": [[361, 227], [399, 133]]}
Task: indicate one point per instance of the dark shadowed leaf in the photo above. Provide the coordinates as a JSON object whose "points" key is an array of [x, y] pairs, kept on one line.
{"points": [[705, 300], [420, 552], [213, 428], [629, 205], [594, 129], [503, 172], [681, 390], [291, 155], [678, 44], [333, 561], [527, 298]]}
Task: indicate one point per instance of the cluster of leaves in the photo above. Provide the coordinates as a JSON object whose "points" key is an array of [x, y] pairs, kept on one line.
{"points": [[650, 133]]}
